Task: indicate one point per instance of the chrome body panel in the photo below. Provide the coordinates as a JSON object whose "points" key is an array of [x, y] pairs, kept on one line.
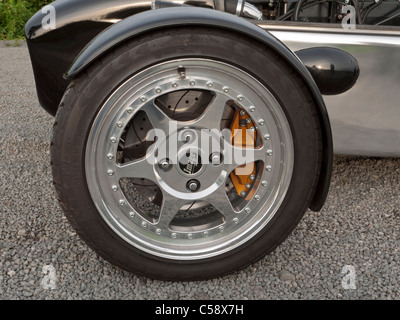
{"points": [[366, 119]]}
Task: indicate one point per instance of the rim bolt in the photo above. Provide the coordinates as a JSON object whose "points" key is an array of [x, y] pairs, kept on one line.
{"points": [[131, 214], [158, 90], [267, 137], [174, 84], [173, 235], [114, 188], [129, 110], [252, 177], [247, 210], [113, 139], [210, 84], [190, 236], [119, 124], [252, 109], [261, 122], [144, 224], [235, 220], [268, 168], [205, 233], [110, 172], [143, 98], [257, 197], [264, 183], [121, 202], [192, 82], [110, 156], [269, 152], [158, 231], [221, 228], [226, 89], [240, 97]]}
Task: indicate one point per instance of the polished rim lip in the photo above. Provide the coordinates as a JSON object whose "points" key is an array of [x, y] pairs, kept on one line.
{"points": [[250, 229]]}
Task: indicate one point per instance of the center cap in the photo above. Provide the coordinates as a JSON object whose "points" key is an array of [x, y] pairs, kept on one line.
{"points": [[190, 163]]}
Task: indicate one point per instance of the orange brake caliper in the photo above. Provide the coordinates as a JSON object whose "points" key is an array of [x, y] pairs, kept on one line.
{"points": [[243, 136]]}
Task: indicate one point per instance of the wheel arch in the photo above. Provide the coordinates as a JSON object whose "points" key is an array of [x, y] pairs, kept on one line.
{"points": [[185, 16]]}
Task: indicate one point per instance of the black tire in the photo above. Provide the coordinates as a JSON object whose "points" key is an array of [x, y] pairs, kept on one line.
{"points": [[85, 96]]}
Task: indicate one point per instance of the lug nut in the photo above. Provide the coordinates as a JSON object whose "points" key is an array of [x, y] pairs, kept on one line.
{"points": [[193, 185], [216, 159], [164, 164]]}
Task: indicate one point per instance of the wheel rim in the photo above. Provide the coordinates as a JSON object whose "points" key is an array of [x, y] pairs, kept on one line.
{"points": [[232, 222]]}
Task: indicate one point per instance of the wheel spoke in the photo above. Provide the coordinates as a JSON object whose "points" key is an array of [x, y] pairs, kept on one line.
{"points": [[141, 168], [237, 157], [160, 121], [212, 117], [169, 209], [220, 201]]}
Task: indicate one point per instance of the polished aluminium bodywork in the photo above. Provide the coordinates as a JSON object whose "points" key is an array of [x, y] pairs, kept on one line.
{"points": [[366, 119]]}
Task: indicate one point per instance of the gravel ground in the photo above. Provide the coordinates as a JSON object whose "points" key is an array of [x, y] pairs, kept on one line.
{"points": [[359, 226]]}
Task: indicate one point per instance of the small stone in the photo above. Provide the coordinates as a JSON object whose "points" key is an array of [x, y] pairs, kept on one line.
{"points": [[287, 276], [11, 273], [21, 233]]}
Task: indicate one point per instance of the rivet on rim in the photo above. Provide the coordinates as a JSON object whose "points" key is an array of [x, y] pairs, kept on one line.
{"points": [[235, 220], [226, 89], [267, 137], [240, 97], [261, 122], [221, 228], [192, 82], [129, 110], [268, 168], [210, 84], [247, 210], [121, 202], [114, 188], [113, 139], [131, 214], [205, 233], [119, 124], [158, 231], [110, 172], [269, 152], [143, 98], [190, 236], [144, 224], [158, 90], [257, 197], [173, 235], [110, 156], [174, 84], [264, 183], [252, 109]]}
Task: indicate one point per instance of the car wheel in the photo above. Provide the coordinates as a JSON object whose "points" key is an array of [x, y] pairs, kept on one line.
{"points": [[186, 153]]}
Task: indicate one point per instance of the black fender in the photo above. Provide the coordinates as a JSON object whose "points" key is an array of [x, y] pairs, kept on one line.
{"points": [[186, 16]]}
